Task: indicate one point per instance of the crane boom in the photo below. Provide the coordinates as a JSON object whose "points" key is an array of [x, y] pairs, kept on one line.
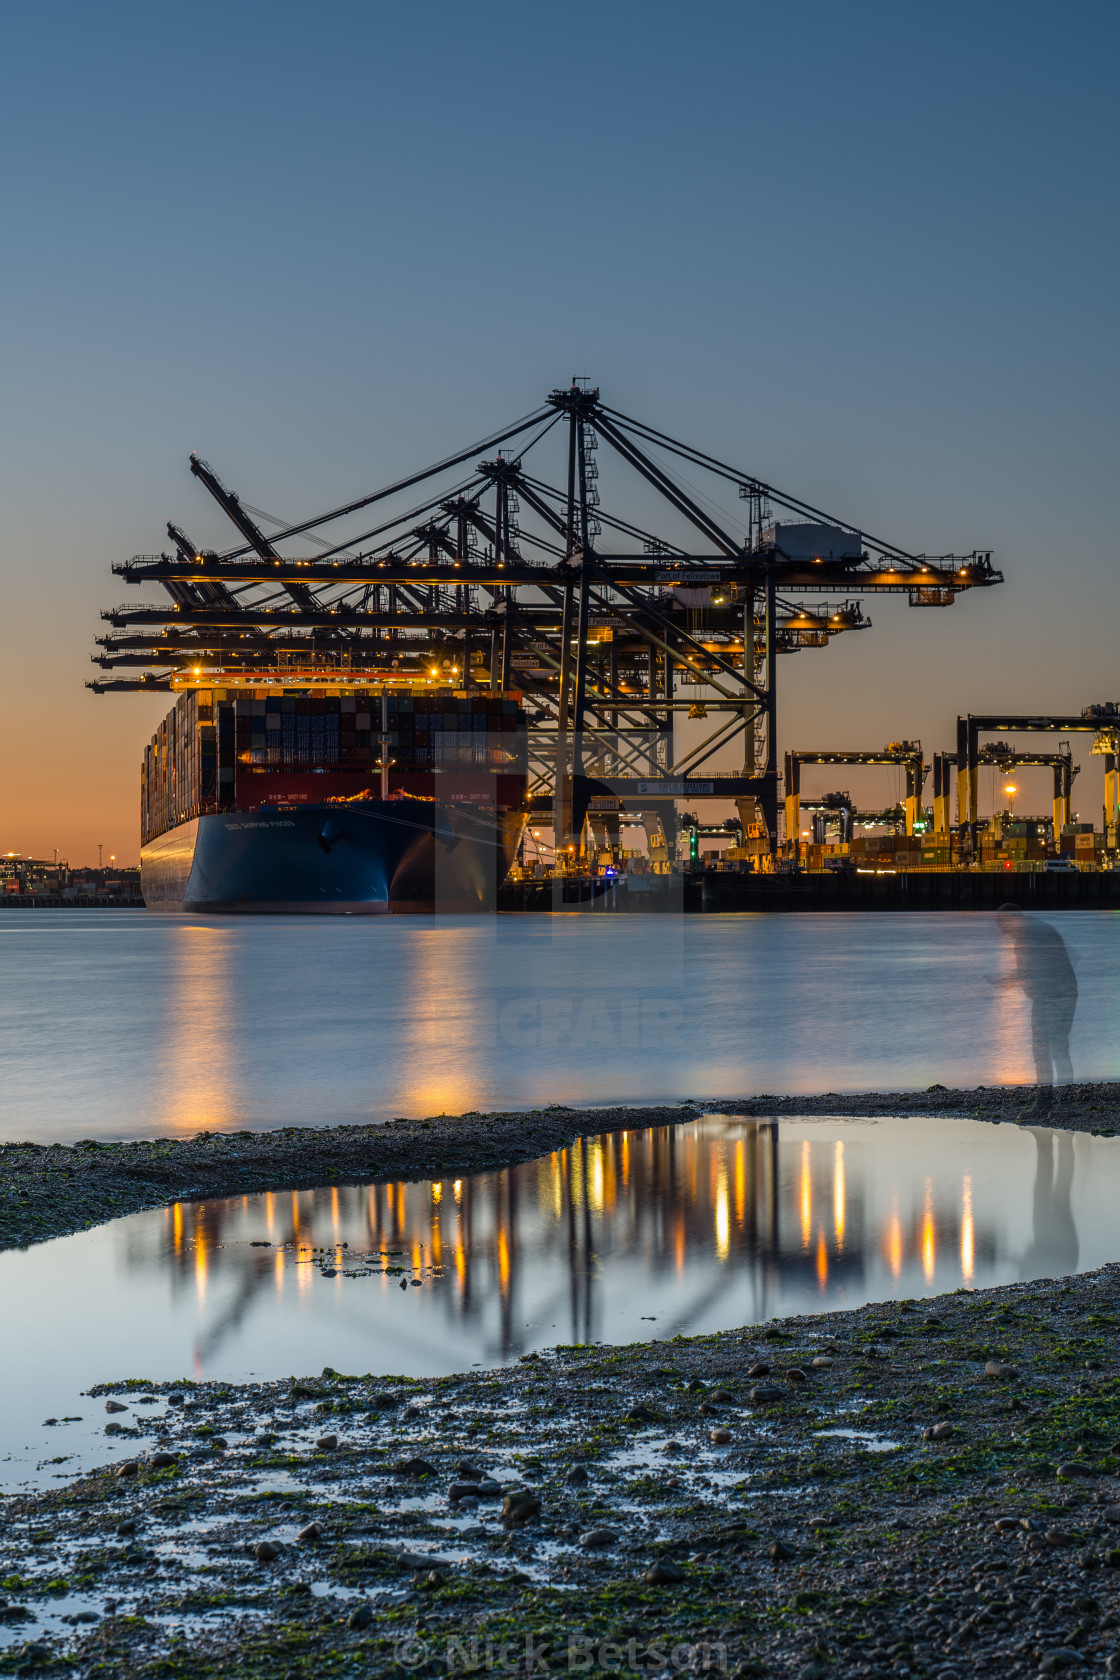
{"points": [[230, 503]]}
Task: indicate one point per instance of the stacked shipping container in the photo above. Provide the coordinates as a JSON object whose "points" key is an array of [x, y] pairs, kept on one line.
{"points": [[221, 749]]}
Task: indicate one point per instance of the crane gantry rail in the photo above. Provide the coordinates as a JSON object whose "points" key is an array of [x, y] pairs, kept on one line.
{"points": [[508, 576]]}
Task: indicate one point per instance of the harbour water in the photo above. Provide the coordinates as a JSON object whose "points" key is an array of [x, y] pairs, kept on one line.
{"points": [[123, 1024], [681, 1230]]}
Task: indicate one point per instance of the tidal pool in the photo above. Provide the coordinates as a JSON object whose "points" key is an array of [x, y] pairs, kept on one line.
{"points": [[678, 1230]]}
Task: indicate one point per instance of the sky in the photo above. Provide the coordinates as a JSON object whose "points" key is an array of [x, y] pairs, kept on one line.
{"points": [[866, 251]]}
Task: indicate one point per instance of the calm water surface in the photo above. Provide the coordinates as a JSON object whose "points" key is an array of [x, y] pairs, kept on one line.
{"points": [[119, 1024], [680, 1230]]}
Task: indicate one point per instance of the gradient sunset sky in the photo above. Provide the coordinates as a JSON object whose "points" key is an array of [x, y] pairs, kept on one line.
{"points": [[866, 251]]}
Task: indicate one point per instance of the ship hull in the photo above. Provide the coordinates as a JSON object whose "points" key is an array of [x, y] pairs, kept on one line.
{"points": [[367, 857]]}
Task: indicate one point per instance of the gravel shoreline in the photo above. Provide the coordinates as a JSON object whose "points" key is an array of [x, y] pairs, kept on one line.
{"points": [[917, 1488], [51, 1190]]}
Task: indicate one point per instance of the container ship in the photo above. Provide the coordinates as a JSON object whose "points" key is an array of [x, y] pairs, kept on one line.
{"points": [[325, 799]]}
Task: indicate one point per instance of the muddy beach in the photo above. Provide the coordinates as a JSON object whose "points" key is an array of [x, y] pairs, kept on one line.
{"points": [[910, 1488], [919, 1488]]}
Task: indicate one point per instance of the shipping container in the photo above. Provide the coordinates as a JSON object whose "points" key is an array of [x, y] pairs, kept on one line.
{"points": [[223, 750]]}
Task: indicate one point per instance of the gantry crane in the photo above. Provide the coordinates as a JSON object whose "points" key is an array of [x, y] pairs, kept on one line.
{"points": [[1102, 721], [906, 754], [1060, 763], [503, 574]]}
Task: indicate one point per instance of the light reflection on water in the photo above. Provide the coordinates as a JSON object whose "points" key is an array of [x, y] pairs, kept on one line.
{"points": [[679, 1230], [121, 1023], [714, 1223]]}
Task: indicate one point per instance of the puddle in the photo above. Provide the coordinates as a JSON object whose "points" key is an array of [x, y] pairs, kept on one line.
{"points": [[678, 1230]]}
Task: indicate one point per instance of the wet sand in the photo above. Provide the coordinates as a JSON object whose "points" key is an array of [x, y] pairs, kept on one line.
{"points": [[915, 1488]]}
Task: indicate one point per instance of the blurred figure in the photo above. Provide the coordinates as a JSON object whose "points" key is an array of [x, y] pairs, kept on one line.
{"points": [[1045, 973]]}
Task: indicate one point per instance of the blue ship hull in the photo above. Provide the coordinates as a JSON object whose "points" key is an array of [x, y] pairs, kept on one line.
{"points": [[364, 857]]}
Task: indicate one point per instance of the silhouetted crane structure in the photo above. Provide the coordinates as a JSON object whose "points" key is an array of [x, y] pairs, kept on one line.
{"points": [[1100, 720], [907, 755], [1060, 763], [513, 577]]}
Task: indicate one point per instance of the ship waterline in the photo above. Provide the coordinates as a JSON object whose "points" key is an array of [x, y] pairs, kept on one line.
{"points": [[354, 857]]}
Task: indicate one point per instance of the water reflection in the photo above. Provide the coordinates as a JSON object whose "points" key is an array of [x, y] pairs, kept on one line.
{"points": [[1054, 1246], [177, 1024], [681, 1229]]}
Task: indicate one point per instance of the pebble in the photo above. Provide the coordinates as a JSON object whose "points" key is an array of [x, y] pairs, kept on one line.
{"points": [[1003, 1373], [327, 1443], [416, 1467], [115, 1406], [778, 1552], [795, 1374], [664, 1571], [468, 1471], [519, 1507], [937, 1432], [1071, 1471], [672, 1447], [719, 1436], [128, 1468], [723, 1397], [760, 1370], [265, 1551], [1062, 1656], [361, 1616], [765, 1391], [113, 1428], [577, 1476], [823, 1363], [593, 1539], [310, 1531], [487, 1488], [422, 1560], [161, 1460]]}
